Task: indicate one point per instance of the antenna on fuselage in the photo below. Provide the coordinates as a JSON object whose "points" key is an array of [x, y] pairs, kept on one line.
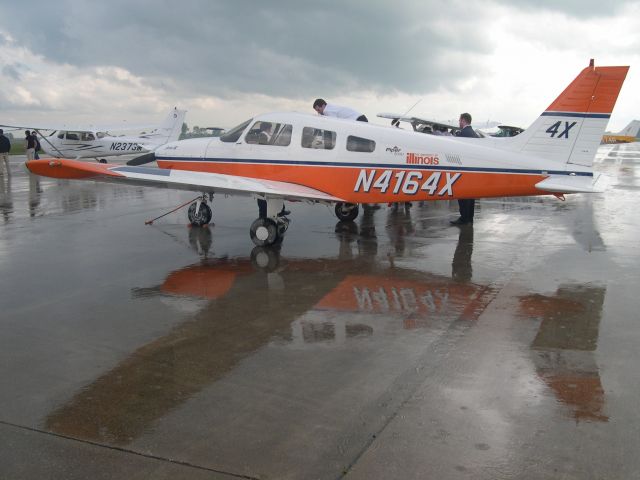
{"points": [[412, 107]]}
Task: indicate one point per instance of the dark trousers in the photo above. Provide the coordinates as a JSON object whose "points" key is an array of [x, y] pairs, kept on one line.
{"points": [[362, 118], [467, 208]]}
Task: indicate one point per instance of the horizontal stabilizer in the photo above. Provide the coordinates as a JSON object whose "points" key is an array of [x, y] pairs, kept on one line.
{"points": [[574, 184]]}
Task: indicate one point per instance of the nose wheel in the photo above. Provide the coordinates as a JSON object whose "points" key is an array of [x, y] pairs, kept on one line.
{"points": [[199, 213]]}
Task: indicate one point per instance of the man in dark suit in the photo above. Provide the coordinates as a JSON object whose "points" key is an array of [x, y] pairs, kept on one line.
{"points": [[465, 205]]}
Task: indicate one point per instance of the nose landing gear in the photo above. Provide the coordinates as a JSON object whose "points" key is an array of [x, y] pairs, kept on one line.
{"points": [[199, 213]]}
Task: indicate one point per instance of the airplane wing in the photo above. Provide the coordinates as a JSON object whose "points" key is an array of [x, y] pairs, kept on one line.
{"points": [[574, 184], [418, 120], [82, 128], [177, 179]]}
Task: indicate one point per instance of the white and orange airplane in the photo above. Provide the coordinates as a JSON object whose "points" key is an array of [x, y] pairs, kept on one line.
{"points": [[278, 157]]}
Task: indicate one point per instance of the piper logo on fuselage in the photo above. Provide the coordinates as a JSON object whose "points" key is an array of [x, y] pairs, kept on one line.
{"points": [[407, 182], [422, 159]]}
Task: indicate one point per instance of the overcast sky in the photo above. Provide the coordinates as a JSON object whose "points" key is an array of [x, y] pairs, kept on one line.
{"points": [[224, 61]]}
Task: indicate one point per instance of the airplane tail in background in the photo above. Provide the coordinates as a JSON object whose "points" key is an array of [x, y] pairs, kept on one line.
{"points": [[570, 129], [631, 130], [169, 130]]}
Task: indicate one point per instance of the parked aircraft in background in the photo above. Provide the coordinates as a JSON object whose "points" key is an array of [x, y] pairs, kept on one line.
{"points": [[422, 125], [292, 156], [506, 131], [630, 133], [96, 142]]}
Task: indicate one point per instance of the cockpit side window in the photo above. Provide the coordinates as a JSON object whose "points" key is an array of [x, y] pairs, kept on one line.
{"points": [[100, 134], [73, 136], [87, 137], [233, 135], [359, 144], [318, 138], [269, 133]]}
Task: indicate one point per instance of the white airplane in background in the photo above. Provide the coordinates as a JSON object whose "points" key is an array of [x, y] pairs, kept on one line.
{"points": [[422, 125], [96, 141], [293, 156]]}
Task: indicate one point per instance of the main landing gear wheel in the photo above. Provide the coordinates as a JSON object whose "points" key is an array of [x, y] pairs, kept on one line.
{"points": [[347, 212], [202, 216], [264, 232], [267, 231]]}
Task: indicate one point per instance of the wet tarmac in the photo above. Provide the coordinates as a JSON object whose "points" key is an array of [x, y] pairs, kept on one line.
{"points": [[396, 347]]}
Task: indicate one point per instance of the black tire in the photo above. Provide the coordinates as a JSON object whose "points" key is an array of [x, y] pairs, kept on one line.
{"points": [[264, 232], [200, 218], [347, 212]]}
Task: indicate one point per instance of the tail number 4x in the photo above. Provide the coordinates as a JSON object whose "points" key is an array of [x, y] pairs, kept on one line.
{"points": [[553, 129]]}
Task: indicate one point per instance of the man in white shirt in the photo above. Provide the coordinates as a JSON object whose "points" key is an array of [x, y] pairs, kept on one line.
{"points": [[330, 110]]}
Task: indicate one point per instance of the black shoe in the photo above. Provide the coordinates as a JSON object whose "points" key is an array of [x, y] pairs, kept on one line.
{"points": [[459, 221]]}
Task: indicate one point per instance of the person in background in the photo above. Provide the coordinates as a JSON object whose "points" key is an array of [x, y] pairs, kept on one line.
{"points": [[5, 148], [38, 148], [30, 145], [331, 110], [466, 206]]}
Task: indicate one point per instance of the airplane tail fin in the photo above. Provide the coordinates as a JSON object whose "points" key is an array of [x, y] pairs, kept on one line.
{"points": [[168, 131], [631, 130], [570, 129]]}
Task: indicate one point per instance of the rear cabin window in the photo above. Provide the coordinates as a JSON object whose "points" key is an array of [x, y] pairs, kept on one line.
{"points": [[359, 144], [318, 138], [269, 133]]}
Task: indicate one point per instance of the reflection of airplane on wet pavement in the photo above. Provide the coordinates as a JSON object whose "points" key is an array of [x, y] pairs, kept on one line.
{"points": [[349, 300], [290, 156], [96, 141], [563, 350]]}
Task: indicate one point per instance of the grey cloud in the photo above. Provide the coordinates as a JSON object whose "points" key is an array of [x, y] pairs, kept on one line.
{"points": [[574, 8], [286, 48], [12, 71]]}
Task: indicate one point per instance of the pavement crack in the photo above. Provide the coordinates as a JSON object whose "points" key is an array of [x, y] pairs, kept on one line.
{"points": [[128, 451]]}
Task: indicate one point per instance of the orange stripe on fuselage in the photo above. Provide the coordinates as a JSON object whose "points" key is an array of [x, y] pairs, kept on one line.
{"points": [[403, 184], [594, 90]]}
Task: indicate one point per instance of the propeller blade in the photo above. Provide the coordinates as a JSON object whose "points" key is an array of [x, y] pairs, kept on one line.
{"points": [[142, 159]]}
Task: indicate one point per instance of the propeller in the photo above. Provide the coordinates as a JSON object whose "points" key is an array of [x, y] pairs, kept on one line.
{"points": [[142, 159]]}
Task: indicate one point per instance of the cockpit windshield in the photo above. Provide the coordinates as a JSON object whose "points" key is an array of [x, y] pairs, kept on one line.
{"points": [[234, 134]]}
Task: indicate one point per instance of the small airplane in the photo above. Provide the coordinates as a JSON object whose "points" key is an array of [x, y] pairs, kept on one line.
{"points": [[629, 134], [96, 142], [280, 157], [423, 125], [507, 131]]}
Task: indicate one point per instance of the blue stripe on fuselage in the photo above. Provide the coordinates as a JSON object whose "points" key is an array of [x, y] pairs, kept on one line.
{"points": [[250, 161]]}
